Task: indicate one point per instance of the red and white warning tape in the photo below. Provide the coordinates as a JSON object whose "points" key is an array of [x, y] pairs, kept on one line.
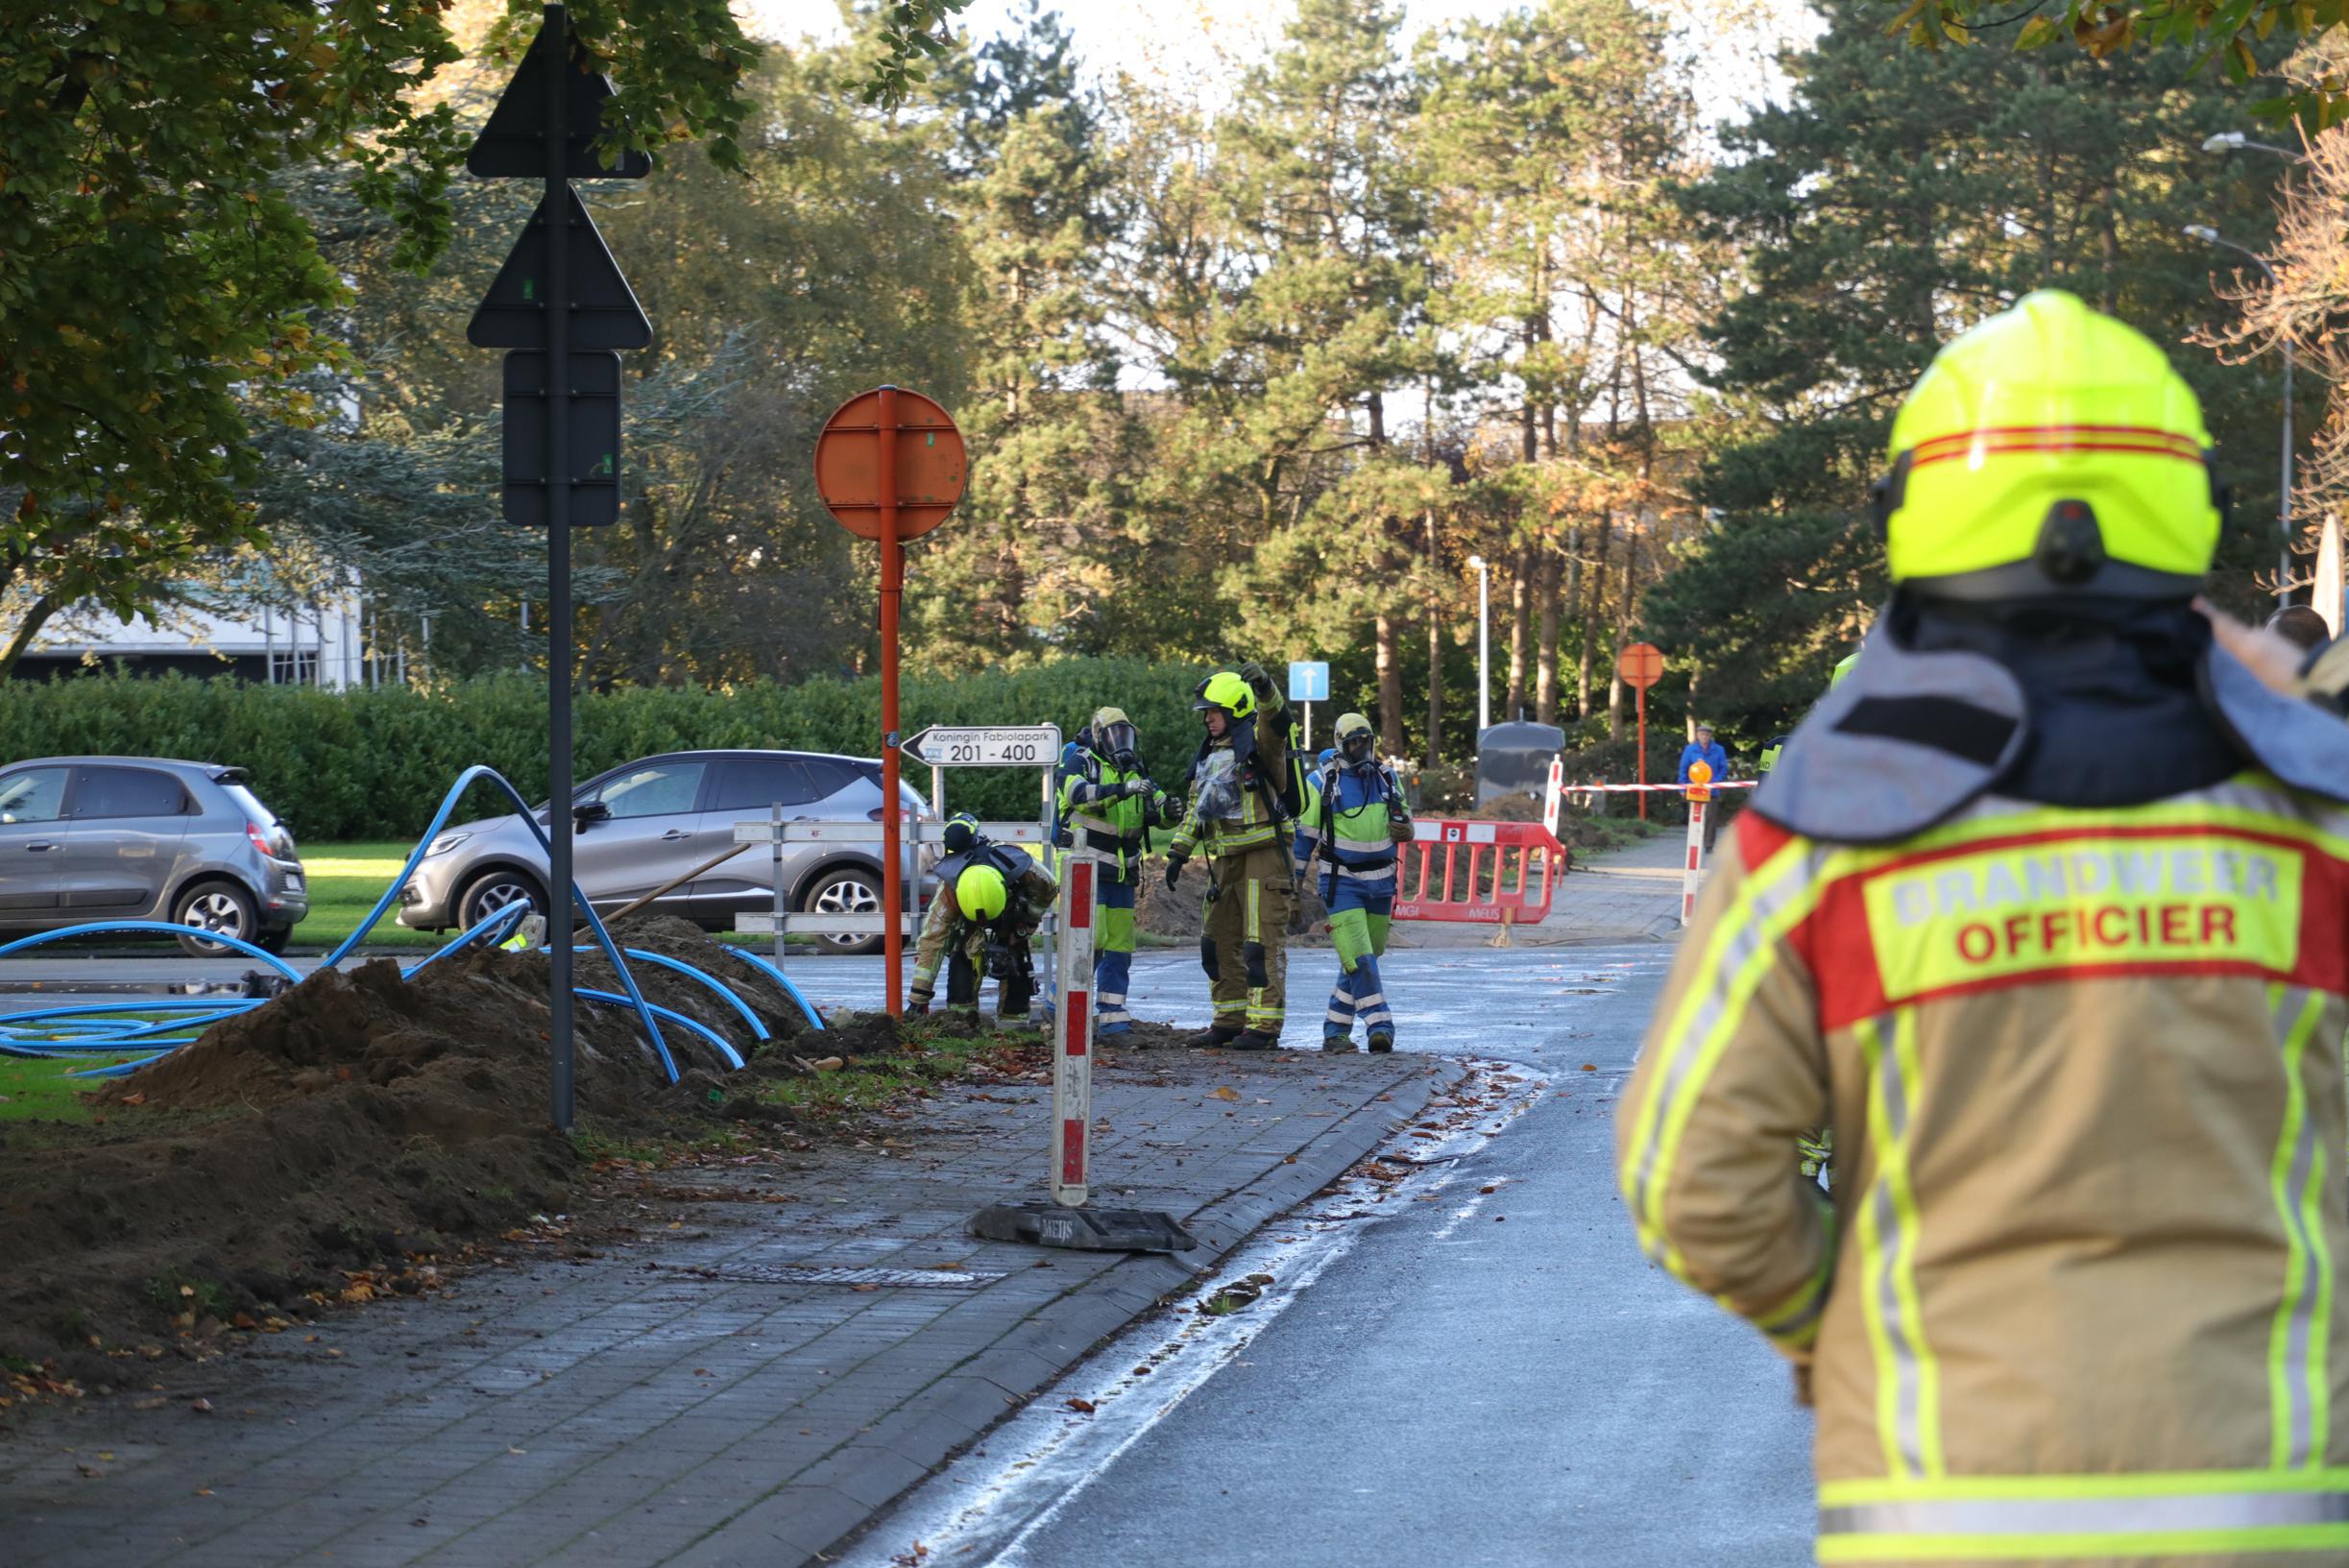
{"points": [[1657, 788]]}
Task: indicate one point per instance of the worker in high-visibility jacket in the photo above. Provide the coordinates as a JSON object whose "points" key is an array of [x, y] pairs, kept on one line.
{"points": [[1244, 795], [1108, 805], [1353, 819], [991, 898], [2045, 908]]}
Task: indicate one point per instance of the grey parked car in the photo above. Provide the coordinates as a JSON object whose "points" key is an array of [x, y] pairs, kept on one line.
{"points": [[650, 822], [91, 838]]}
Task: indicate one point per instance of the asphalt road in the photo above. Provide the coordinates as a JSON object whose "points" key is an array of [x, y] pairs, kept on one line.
{"points": [[1481, 1378]]}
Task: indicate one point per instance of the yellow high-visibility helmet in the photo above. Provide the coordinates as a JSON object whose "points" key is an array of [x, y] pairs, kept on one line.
{"points": [[2051, 449], [980, 893], [1229, 691]]}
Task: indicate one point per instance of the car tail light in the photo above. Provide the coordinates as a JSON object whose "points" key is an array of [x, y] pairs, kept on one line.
{"points": [[258, 838]]}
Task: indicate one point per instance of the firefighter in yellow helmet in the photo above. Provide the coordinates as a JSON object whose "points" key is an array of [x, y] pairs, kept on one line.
{"points": [[991, 898], [1244, 796], [2045, 908]]}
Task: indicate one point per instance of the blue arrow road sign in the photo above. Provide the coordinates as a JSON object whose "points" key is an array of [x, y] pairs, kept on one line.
{"points": [[1308, 681]]}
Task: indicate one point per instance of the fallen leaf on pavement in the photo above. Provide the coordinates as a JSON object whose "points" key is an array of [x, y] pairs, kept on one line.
{"points": [[201, 1406], [1082, 1407], [1224, 1094]]}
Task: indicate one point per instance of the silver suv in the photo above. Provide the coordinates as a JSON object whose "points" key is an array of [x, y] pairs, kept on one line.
{"points": [[91, 838], [653, 821]]}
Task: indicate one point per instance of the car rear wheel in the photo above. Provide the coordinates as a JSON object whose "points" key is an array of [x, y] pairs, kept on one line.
{"points": [[493, 890], [848, 890], [222, 909]]}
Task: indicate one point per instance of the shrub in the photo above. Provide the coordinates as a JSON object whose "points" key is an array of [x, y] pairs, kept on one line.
{"points": [[374, 763]]}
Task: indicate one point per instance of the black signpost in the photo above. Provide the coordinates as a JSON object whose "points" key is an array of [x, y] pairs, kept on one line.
{"points": [[561, 304]]}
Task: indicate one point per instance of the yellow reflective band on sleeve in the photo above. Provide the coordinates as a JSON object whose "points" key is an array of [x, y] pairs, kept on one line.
{"points": [[1794, 1323], [1743, 945], [2071, 904]]}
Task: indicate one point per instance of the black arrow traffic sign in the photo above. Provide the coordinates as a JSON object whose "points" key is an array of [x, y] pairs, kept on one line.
{"points": [[514, 143], [560, 299], [603, 310], [593, 440]]}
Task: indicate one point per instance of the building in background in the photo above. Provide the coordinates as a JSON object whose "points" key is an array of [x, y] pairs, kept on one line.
{"points": [[326, 643]]}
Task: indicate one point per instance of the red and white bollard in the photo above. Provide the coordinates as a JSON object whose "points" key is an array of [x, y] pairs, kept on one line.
{"points": [[1073, 1036], [1692, 872], [1067, 1220], [1692, 876]]}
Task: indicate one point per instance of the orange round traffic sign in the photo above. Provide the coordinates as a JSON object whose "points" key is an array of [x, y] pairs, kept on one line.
{"points": [[927, 477], [1640, 665]]}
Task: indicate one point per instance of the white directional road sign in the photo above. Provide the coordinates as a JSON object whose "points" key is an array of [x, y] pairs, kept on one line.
{"points": [[942, 745]]}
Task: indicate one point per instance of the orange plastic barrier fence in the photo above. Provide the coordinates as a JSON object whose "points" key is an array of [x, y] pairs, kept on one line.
{"points": [[1492, 873]]}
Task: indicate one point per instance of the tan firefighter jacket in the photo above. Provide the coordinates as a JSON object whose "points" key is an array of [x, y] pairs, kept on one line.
{"points": [[2077, 1297]]}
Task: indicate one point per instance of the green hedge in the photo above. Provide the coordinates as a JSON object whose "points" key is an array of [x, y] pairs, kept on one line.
{"points": [[374, 764]]}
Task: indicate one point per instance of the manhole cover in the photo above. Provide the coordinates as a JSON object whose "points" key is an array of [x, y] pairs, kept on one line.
{"points": [[910, 1279]]}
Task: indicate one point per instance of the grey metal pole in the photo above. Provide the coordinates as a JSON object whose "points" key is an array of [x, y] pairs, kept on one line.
{"points": [[554, 37]]}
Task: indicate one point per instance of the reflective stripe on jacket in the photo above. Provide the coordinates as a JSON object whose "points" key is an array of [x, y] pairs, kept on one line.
{"points": [[1096, 817], [1233, 810], [2076, 1299], [1355, 820]]}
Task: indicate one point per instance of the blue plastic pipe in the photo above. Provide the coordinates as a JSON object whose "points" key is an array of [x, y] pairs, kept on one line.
{"points": [[658, 960], [159, 927], [816, 1020], [716, 1040]]}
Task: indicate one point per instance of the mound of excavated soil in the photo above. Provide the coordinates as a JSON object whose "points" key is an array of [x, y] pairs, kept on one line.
{"points": [[1182, 913], [355, 1115]]}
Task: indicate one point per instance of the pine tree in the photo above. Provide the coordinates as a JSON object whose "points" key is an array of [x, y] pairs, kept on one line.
{"points": [[1898, 198]]}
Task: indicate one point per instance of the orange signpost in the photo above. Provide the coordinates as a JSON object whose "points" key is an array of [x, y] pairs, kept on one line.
{"points": [[891, 465], [1640, 666]]}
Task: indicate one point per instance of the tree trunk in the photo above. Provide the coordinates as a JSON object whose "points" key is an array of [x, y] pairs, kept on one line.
{"points": [[1435, 648], [27, 630], [1520, 629], [1590, 614], [1546, 679], [1387, 655]]}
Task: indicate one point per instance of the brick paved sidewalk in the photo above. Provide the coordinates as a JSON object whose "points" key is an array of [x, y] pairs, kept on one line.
{"points": [[694, 1398]]}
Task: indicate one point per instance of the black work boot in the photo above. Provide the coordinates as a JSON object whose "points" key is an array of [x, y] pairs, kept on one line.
{"points": [[1254, 1040], [1214, 1037], [1382, 1040]]}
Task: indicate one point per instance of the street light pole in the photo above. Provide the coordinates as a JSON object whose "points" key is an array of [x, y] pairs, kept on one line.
{"points": [[2283, 511], [1484, 644]]}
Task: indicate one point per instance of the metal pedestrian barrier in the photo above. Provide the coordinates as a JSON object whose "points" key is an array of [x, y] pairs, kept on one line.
{"points": [[1485, 873], [784, 921]]}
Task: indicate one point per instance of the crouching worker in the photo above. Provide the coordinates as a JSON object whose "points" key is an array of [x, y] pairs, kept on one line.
{"points": [[1353, 822], [991, 898]]}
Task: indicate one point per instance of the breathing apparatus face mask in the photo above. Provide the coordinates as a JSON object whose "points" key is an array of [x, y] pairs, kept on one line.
{"points": [[1357, 747], [1116, 741]]}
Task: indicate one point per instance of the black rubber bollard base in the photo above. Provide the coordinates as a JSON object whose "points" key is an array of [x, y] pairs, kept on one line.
{"points": [[1093, 1230]]}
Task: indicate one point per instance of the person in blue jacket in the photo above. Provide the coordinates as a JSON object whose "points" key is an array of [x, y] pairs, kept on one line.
{"points": [[1354, 818], [1705, 749]]}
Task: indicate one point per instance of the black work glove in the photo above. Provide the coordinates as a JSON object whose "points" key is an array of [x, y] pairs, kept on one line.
{"points": [[1174, 864], [1259, 681], [918, 1005]]}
